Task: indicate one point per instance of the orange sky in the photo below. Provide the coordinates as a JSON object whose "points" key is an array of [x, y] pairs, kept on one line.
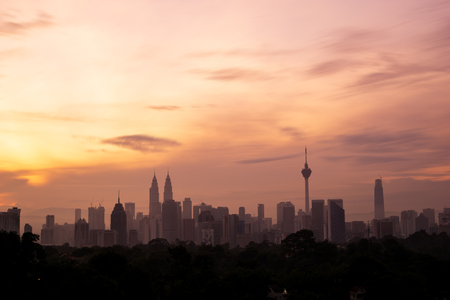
{"points": [[96, 95]]}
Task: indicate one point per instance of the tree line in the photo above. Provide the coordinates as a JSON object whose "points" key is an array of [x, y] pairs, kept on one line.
{"points": [[388, 268]]}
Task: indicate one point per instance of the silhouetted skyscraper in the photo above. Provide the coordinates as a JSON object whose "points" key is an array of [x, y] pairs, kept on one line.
{"points": [[336, 221], [77, 214], [306, 172], [10, 220], [379, 200], [96, 218], [430, 214], [422, 223], [170, 220], [81, 235], [317, 218], [168, 194], [154, 205], [130, 209], [27, 228], [187, 208], [279, 215], [119, 222], [408, 222], [50, 221], [288, 219]]}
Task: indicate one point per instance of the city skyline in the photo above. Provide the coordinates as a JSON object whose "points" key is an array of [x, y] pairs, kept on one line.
{"points": [[100, 97]]}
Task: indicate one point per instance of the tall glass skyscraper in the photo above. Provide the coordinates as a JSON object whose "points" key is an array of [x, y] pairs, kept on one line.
{"points": [[379, 200]]}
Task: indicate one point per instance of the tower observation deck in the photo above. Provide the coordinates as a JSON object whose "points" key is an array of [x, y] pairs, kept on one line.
{"points": [[306, 172]]}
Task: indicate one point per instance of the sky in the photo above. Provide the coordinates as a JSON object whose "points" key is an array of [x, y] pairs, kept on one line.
{"points": [[96, 97]]}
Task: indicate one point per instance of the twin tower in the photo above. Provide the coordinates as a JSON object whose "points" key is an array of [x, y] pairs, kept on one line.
{"points": [[155, 205]]}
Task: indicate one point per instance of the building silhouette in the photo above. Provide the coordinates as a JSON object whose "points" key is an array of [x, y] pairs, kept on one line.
{"points": [[430, 214], [408, 219], [378, 200], [168, 194], [187, 209], [317, 218], [27, 228], [96, 218], [288, 219], [130, 209], [154, 204], [336, 221], [119, 222], [77, 214], [170, 213], [422, 223], [306, 172], [81, 233], [279, 215], [10, 220], [47, 231]]}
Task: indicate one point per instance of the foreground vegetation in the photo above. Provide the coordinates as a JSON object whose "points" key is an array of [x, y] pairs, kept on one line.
{"points": [[389, 268]]}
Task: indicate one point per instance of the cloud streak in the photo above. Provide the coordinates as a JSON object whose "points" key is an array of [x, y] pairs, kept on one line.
{"points": [[13, 28], [267, 159], [141, 143], [164, 107], [233, 74]]}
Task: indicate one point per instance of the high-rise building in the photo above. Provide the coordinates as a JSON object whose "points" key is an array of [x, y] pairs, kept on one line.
{"points": [[378, 200], [336, 221], [170, 220], [10, 220], [288, 226], [187, 208], [119, 222], [241, 213], [306, 172], [279, 215], [230, 229], [260, 212], [100, 217], [130, 209], [47, 231], [422, 223], [81, 233], [317, 218], [50, 221], [27, 228], [154, 205], [189, 230], [168, 194], [430, 214], [96, 217], [408, 222], [77, 214]]}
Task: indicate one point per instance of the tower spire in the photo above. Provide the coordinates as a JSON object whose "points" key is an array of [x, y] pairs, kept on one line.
{"points": [[306, 172], [118, 194], [306, 157]]}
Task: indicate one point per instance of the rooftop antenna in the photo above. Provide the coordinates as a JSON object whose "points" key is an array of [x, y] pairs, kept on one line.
{"points": [[118, 192], [306, 156]]}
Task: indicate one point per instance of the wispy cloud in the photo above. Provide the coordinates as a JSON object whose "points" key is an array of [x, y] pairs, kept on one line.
{"points": [[352, 40], [10, 27], [291, 131], [140, 142], [330, 67], [267, 159], [164, 107], [247, 53], [233, 74]]}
